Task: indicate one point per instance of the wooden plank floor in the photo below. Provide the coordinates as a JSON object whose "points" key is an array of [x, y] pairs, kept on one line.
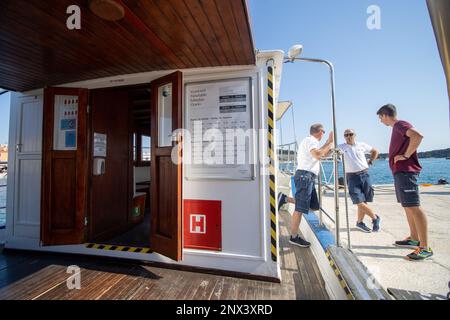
{"points": [[43, 276]]}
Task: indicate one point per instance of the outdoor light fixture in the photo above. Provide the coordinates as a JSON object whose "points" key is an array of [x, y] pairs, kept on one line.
{"points": [[295, 51], [108, 10]]}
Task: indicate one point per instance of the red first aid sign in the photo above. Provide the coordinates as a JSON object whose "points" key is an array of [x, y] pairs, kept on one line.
{"points": [[198, 223], [203, 224]]}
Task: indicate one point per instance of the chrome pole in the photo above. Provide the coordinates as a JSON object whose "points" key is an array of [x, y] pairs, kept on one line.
{"points": [[335, 157], [346, 202], [333, 111], [319, 184]]}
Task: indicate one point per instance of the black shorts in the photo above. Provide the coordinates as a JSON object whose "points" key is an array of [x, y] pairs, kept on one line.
{"points": [[407, 189], [360, 187], [305, 192]]}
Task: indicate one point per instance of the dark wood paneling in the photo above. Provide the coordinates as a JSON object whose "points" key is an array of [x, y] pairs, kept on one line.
{"points": [[64, 176], [166, 186], [38, 50], [64, 196], [166, 171], [111, 192]]}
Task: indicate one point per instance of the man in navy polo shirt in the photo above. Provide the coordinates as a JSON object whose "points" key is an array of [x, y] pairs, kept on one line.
{"points": [[405, 167]]}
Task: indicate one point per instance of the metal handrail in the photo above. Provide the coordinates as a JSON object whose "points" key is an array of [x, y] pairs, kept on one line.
{"points": [[339, 156], [291, 161], [3, 186]]}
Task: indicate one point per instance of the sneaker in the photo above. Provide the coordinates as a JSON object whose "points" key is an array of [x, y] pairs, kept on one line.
{"points": [[407, 243], [362, 226], [282, 200], [298, 241], [420, 254], [376, 224]]}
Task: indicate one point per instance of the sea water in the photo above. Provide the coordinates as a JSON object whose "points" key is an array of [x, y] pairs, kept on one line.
{"points": [[433, 169]]}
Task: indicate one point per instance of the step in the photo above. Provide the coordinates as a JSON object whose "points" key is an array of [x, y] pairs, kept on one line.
{"points": [[361, 283]]}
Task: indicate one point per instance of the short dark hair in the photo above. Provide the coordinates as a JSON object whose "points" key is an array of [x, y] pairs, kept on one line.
{"points": [[389, 109], [316, 128]]}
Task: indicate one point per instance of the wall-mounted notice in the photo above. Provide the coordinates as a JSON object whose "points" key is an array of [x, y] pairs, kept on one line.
{"points": [[65, 123], [99, 145], [219, 120]]}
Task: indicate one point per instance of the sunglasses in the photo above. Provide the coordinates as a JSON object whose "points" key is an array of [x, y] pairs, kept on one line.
{"points": [[349, 135]]}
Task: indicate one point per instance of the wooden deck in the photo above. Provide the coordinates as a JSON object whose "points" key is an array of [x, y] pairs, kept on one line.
{"points": [[39, 276]]}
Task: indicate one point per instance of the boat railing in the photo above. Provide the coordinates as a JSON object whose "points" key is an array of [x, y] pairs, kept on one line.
{"points": [[287, 159], [3, 171]]}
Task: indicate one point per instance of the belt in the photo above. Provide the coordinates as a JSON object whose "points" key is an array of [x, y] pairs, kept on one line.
{"points": [[359, 172], [307, 172]]}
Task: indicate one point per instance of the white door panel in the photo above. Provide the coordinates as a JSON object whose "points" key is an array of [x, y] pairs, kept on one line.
{"points": [[28, 164], [31, 123]]}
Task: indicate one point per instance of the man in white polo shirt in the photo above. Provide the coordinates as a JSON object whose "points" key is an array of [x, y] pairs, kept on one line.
{"points": [[358, 179], [308, 156]]}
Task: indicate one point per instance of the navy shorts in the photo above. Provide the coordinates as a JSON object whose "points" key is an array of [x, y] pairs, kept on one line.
{"points": [[305, 192], [407, 189], [360, 187]]}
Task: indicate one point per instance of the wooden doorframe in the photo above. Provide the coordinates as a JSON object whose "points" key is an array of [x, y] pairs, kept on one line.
{"points": [[90, 235]]}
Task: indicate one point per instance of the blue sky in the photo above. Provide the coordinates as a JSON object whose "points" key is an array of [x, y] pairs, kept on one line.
{"points": [[398, 64], [4, 117]]}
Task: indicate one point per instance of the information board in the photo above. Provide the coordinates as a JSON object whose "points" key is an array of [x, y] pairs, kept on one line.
{"points": [[65, 126], [219, 119]]}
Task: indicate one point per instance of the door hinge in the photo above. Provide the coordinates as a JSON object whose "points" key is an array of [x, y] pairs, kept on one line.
{"points": [[88, 109], [85, 221]]}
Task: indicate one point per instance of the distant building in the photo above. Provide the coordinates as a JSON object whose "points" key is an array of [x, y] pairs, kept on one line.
{"points": [[3, 153]]}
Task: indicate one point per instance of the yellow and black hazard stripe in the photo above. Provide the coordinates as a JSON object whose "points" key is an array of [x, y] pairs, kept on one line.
{"points": [[341, 279], [273, 200], [117, 248]]}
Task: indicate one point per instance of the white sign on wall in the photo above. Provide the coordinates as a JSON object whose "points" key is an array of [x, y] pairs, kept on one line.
{"points": [[219, 118], [100, 145]]}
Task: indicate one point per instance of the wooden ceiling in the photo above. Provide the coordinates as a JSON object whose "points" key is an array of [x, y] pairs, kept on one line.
{"points": [[37, 49]]}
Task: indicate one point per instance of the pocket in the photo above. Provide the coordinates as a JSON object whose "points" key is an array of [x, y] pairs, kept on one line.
{"points": [[304, 181], [371, 192], [413, 179], [351, 183], [301, 181], [409, 185]]}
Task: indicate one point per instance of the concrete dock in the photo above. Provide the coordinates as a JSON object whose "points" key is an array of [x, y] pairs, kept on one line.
{"points": [[387, 263]]}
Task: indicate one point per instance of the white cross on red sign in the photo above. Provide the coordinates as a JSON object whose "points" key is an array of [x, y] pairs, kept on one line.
{"points": [[198, 223]]}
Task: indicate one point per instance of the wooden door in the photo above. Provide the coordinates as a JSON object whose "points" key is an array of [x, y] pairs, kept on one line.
{"points": [[166, 197], [64, 168]]}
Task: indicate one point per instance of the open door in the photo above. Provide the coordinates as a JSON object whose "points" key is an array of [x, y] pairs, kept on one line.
{"points": [[166, 178], [64, 167]]}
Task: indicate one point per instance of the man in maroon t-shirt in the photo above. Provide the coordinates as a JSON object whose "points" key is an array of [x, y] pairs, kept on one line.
{"points": [[405, 167]]}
